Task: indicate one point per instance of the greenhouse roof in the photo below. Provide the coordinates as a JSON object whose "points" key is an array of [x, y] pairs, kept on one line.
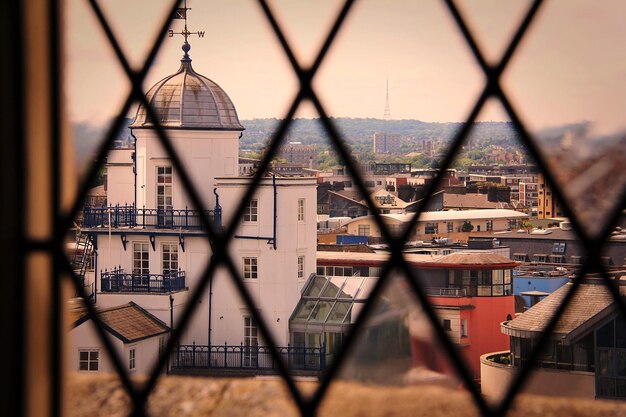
{"points": [[331, 299]]}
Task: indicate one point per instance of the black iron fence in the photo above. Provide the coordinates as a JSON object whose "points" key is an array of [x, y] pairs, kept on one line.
{"points": [[130, 216], [242, 357], [117, 280]]}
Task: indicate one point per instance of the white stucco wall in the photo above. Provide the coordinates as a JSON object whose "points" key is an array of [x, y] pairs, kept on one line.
{"points": [[120, 177], [211, 159], [84, 337], [276, 291], [206, 155], [192, 261]]}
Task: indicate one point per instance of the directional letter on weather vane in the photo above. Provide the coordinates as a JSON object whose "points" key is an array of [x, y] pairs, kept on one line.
{"points": [[181, 13]]}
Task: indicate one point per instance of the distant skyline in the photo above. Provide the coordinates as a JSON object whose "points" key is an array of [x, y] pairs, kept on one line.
{"points": [[570, 68]]}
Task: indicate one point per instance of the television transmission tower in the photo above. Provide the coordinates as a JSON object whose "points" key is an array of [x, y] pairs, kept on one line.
{"points": [[387, 114]]}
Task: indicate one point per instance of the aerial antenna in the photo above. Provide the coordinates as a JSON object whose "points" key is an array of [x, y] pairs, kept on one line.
{"points": [[181, 13]]}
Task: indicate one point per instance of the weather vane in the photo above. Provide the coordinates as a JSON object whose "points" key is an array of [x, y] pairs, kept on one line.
{"points": [[181, 13]]}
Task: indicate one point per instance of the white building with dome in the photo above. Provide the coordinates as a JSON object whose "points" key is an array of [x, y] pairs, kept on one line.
{"points": [[149, 244]]}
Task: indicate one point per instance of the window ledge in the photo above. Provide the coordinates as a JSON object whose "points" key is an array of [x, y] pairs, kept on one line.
{"points": [[102, 395]]}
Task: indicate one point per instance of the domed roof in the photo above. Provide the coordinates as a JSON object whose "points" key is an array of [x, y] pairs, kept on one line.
{"points": [[188, 100]]}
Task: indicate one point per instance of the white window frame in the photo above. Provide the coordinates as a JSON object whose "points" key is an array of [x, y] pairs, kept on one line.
{"points": [[250, 341], [164, 189], [301, 209], [144, 264], [301, 266], [169, 263], [251, 211], [132, 358], [250, 267], [89, 361]]}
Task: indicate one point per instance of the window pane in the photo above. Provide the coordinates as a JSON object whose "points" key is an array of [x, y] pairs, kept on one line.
{"points": [[338, 312], [621, 363], [320, 312], [314, 289], [497, 276], [606, 362], [332, 289], [605, 335], [498, 290], [620, 332], [304, 310]]}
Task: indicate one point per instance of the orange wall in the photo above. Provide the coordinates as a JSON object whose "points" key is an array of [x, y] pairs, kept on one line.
{"points": [[485, 326], [484, 318]]}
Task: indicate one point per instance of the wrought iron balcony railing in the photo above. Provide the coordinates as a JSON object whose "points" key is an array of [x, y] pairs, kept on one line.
{"points": [[446, 292], [241, 357], [119, 281], [130, 216]]}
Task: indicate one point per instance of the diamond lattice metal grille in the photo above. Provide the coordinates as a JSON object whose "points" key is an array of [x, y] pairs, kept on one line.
{"points": [[219, 239]]}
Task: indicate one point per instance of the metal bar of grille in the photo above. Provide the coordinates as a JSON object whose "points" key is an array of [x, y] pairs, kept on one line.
{"points": [[13, 233], [272, 356], [54, 59]]}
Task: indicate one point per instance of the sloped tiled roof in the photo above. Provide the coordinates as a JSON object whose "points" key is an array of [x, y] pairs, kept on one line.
{"points": [[588, 305], [475, 259], [398, 203], [351, 194], [129, 322]]}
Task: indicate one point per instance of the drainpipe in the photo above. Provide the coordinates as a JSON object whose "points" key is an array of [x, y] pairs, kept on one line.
{"points": [[210, 311], [217, 224], [94, 242], [134, 163], [271, 239], [171, 311], [167, 367], [275, 214]]}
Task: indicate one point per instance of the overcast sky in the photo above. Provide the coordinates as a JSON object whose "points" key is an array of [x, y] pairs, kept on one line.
{"points": [[570, 68]]}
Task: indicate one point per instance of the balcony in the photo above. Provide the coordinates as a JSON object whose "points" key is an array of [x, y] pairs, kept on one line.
{"points": [[130, 216], [446, 292], [117, 281], [184, 358]]}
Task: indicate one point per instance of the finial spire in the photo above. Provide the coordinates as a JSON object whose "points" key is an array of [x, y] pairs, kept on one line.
{"points": [[181, 13]]}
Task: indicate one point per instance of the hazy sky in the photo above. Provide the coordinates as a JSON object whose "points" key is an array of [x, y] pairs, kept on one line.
{"points": [[570, 68]]}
